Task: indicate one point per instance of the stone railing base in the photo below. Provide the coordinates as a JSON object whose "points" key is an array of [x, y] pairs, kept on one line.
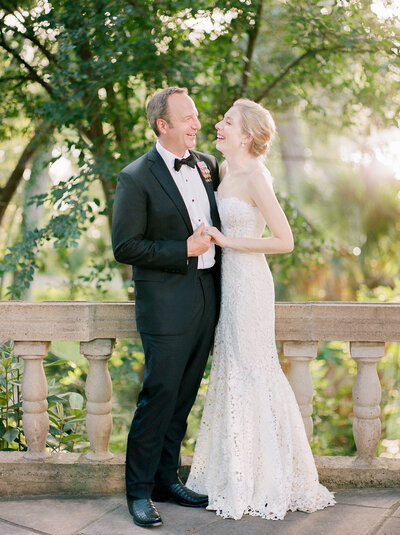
{"points": [[64, 473], [73, 473], [346, 472]]}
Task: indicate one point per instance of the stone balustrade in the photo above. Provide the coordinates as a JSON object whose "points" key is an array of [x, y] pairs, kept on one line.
{"points": [[96, 325]]}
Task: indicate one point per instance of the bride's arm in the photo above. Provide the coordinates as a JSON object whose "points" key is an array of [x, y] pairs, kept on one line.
{"points": [[281, 241]]}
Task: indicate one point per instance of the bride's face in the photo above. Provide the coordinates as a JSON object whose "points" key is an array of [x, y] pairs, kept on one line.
{"points": [[229, 132]]}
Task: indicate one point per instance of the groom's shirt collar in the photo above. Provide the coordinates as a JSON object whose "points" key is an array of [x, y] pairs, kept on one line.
{"points": [[168, 157]]}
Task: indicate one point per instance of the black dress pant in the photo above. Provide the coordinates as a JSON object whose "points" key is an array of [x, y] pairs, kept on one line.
{"points": [[174, 366]]}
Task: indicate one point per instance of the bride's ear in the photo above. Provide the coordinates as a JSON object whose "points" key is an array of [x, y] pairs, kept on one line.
{"points": [[247, 139]]}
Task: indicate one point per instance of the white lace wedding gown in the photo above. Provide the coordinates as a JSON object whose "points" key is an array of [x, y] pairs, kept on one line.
{"points": [[252, 455]]}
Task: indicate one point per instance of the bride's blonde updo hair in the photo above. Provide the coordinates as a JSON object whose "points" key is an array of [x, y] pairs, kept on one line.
{"points": [[258, 122]]}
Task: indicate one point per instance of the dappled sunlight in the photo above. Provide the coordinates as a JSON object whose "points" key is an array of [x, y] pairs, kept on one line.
{"points": [[380, 147], [385, 9]]}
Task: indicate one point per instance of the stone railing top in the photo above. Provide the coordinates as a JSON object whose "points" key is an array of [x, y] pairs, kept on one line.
{"points": [[66, 320], [84, 321], [338, 320]]}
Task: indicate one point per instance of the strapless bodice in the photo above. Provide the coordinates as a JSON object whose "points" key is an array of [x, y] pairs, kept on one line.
{"points": [[240, 219]]}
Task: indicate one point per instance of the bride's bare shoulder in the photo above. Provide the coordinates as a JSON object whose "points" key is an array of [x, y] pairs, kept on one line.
{"points": [[261, 179]]}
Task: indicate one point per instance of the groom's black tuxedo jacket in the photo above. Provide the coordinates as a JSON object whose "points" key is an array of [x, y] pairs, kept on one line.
{"points": [[149, 231]]}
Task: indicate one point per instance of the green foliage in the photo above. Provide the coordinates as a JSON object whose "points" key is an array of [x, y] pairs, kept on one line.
{"points": [[67, 414], [126, 369], [11, 434], [64, 229], [67, 417], [388, 371], [94, 65], [333, 375], [65, 409], [310, 246], [66, 382]]}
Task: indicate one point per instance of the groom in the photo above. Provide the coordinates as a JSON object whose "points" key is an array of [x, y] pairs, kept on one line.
{"points": [[163, 202]]}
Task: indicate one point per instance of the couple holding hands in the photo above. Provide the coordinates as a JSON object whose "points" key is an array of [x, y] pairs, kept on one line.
{"points": [[193, 234]]}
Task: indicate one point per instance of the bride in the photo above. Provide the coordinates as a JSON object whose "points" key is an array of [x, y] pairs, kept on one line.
{"points": [[252, 455]]}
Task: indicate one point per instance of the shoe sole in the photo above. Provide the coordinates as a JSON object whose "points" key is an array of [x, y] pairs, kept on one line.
{"points": [[171, 500], [141, 525], [198, 506]]}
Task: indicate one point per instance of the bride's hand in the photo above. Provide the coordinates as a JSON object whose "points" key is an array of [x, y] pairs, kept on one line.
{"points": [[217, 237]]}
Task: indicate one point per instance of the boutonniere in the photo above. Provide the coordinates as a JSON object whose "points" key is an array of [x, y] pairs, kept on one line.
{"points": [[204, 170]]}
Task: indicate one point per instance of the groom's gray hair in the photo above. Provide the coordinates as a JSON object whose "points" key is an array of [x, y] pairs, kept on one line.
{"points": [[157, 106]]}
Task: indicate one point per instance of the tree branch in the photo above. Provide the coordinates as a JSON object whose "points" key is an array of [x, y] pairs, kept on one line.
{"points": [[30, 34], [253, 34], [20, 79], [310, 53], [32, 37], [116, 120], [7, 192], [285, 71], [31, 70], [16, 77]]}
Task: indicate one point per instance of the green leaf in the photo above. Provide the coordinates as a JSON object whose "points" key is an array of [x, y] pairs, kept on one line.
{"points": [[58, 362], [53, 430], [71, 438], [2, 428], [15, 405], [54, 399], [7, 362], [75, 401], [10, 435]]}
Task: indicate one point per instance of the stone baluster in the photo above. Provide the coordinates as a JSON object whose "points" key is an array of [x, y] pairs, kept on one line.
{"points": [[35, 419], [98, 394], [367, 397], [300, 354]]}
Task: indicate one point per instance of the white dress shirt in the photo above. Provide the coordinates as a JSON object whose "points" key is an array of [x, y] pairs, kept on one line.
{"points": [[194, 195]]}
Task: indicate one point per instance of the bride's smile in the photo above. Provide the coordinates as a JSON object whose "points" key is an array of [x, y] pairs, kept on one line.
{"points": [[230, 137]]}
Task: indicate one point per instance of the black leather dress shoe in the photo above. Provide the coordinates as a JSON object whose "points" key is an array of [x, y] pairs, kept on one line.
{"points": [[178, 493], [144, 513]]}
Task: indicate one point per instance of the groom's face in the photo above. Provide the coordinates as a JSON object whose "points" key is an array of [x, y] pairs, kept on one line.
{"points": [[179, 133]]}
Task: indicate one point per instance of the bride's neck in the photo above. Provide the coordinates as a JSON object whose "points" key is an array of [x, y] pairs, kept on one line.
{"points": [[241, 162]]}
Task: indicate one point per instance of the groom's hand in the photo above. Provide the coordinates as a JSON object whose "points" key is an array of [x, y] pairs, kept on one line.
{"points": [[199, 242]]}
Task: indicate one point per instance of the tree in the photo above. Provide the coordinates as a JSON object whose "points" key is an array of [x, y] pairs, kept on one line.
{"points": [[85, 71]]}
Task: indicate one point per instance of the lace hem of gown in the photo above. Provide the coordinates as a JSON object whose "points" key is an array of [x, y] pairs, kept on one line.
{"points": [[274, 511]]}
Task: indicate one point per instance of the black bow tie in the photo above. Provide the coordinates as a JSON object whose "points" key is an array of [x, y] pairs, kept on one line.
{"points": [[190, 161]]}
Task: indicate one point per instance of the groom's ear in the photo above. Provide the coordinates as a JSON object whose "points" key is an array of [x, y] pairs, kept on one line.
{"points": [[162, 126]]}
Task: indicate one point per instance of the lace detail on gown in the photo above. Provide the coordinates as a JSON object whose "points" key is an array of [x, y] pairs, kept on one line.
{"points": [[252, 454]]}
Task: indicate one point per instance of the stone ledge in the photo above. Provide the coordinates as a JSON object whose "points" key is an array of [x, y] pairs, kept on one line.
{"points": [[347, 472], [72, 473], [64, 473], [82, 321]]}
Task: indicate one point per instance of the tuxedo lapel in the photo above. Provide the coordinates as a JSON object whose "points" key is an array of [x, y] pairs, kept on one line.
{"points": [[209, 187], [160, 171]]}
